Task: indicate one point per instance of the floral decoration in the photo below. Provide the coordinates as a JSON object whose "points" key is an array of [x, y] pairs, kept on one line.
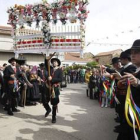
{"points": [[62, 10]]}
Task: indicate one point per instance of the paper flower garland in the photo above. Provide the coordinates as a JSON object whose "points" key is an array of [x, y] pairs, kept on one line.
{"points": [[46, 33], [73, 12], [83, 11], [63, 10], [54, 12]]}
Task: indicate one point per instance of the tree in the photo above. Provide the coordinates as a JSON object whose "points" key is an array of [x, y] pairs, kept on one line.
{"points": [[92, 64], [108, 65], [74, 67]]}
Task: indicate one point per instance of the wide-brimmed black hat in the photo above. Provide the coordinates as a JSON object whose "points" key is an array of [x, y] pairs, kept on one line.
{"points": [[56, 59], [21, 61], [42, 65], [136, 45], [12, 59], [115, 60], [125, 54], [5, 64]]}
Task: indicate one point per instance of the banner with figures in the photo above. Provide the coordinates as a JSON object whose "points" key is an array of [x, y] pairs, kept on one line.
{"points": [[45, 36]]}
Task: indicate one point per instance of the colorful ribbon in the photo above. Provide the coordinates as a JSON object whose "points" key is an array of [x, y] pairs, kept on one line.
{"points": [[109, 90], [134, 111]]}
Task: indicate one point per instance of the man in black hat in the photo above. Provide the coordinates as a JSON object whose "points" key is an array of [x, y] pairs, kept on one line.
{"points": [[42, 73], [23, 81], [54, 79], [122, 89], [11, 74], [134, 78], [126, 62], [116, 62]]}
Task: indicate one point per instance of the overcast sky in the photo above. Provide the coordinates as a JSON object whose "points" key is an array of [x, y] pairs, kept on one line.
{"points": [[111, 23]]}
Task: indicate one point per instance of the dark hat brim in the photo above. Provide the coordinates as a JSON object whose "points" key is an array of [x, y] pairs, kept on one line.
{"points": [[133, 48], [115, 62], [12, 59], [125, 54], [56, 59], [42, 65], [21, 62]]}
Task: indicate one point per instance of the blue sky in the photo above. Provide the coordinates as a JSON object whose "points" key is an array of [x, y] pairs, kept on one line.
{"points": [[110, 22]]}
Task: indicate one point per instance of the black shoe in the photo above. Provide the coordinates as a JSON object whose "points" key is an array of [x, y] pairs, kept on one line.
{"points": [[33, 103], [118, 126], [47, 113], [87, 92], [117, 119], [10, 113], [21, 105], [5, 108], [121, 129], [53, 119], [118, 129], [15, 110]]}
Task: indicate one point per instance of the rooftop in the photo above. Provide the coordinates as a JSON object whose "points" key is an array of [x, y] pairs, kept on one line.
{"points": [[5, 30], [75, 57], [109, 53]]}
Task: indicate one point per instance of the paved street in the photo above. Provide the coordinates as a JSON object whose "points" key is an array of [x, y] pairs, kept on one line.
{"points": [[79, 118]]}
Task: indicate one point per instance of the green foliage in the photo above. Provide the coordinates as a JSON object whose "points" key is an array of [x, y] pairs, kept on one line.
{"points": [[74, 67], [108, 65], [92, 64]]}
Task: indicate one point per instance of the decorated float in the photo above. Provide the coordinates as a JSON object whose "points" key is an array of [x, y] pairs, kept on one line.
{"points": [[49, 27]]}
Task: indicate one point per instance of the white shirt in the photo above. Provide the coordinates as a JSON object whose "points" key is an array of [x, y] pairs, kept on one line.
{"points": [[13, 66], [130, 63], [138, 80]]}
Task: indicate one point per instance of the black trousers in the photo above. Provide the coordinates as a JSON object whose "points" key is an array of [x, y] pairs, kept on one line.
{"points": [[46, 97], [12, 96]]}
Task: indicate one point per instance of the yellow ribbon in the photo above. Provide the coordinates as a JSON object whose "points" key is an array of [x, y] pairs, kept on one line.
{"points": [[105, 87], [127, 104]]}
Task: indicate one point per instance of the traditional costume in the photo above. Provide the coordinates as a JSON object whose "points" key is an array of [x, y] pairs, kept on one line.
{"points": [[53, 86], [11, 75]]}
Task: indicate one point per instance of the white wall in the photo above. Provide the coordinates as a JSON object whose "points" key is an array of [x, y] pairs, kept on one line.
{"points": [[70, 63], [6, 42]]}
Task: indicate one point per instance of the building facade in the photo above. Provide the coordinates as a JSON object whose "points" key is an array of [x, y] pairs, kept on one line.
{"points": [[106, 57]]}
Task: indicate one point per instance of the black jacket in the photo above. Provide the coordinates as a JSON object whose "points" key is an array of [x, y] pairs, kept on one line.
{"points": [[57, 75], [129, 69], [9, 71], [110, 70], [93, 81], [136, 91], [43, 75]]}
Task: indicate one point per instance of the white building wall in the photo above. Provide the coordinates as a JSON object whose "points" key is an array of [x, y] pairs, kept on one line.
{"points": [[70, 63], [6, 42], [32, 59]]}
